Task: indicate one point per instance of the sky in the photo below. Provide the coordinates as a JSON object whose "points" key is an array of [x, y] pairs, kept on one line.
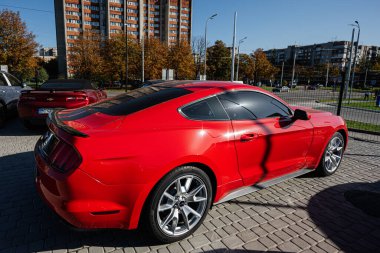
{"points": [[266, 23]]}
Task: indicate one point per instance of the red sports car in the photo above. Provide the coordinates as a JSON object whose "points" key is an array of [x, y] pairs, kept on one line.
{"points": [[162, 155], [35, 105]]}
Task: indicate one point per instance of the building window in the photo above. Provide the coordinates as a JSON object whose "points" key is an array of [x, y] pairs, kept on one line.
{"points": [[173, 19], [133, 3], [133, 11], [173, 31], [92, 15], [185, 9], [113, 8], [116, 16], [172, 37], [133, 25], [133, 18], [173, 13], [117, 1], [133, 32], [73, 37], [73, 5], [74, 29], [116, 24], [91, 7], [74, 21], [92, 23], [74, 13]]}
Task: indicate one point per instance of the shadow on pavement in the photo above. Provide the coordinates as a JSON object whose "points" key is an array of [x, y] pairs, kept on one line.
{"points": [[14, 127], [345, 214]]}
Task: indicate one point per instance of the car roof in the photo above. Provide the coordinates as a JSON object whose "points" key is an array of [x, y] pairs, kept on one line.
{"points": [[195, 85]]}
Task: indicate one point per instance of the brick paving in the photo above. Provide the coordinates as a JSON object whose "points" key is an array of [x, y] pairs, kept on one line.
{"points": [[307, 214]]}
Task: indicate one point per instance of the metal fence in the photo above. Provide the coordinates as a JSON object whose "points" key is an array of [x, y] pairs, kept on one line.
{"points": [[358, 107]]}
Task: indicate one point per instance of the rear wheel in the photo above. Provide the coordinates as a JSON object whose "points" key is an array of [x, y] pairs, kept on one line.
{"points": [[332, 156], [2, 115], [179, 204]]}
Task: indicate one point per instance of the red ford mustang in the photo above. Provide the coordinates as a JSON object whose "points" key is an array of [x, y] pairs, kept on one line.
{"points": [[35, 105], [163, 154]]}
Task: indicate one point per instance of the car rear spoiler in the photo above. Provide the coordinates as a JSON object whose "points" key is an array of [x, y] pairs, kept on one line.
{"points": [[50, 90], [53, 119]]}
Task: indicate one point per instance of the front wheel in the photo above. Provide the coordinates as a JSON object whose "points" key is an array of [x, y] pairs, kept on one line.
{"points": [[180, 203], [332, 156]]}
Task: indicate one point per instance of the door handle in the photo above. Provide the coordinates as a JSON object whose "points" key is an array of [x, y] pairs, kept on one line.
{"points": [[247, 137]]}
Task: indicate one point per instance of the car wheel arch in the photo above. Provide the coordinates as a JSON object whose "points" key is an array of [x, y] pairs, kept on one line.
{"points": [[210, 173]]}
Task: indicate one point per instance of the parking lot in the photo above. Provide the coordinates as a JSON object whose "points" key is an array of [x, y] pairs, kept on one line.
{"points": [[303, 214]]}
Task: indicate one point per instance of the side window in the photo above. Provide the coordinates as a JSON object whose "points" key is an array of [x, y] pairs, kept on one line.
{"points": [[208, 109], [13, 80], [3, 82], [257, 104], [235, 110]]}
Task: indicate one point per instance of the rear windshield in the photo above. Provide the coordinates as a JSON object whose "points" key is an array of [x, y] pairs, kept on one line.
{"points": [[128, 103], [69, 85]]}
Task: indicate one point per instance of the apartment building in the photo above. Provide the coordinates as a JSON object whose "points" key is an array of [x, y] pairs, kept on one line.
{"points": [[335, 53], [167, 20]]}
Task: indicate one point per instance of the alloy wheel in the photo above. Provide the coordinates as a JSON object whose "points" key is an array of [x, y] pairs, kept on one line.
{"points": [[182, 205], [333, 154]]}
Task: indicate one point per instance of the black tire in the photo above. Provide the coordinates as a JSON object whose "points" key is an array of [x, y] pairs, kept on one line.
{"points": [[151, 209], [323, 168], [3, 116]]}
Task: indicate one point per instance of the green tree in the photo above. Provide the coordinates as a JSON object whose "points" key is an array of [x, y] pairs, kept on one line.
{"points": [[17, 45], [246, 67], [218, 61], [42, 74]]}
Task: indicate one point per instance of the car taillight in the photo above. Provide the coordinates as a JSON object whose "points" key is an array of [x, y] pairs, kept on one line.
{"points": [[76, 98], [62, 156]]}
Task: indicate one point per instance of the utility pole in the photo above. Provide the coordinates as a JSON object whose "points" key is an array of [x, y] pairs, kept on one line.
{"points": [[294, 65], [365, 78], [205, 66], [348, 70], [142, 56], [327, 73], [238, 58], [233, 50], [356, 51], [282, 73]]}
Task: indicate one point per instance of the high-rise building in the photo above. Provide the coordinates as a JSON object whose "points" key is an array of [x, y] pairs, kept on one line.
{"points": [[167, 20]]}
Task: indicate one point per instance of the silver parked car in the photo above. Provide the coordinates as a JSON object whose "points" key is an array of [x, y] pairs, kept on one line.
{"points": [[10, 89]]}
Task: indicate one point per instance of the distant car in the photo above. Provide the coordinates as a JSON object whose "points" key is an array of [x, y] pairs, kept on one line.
{"points": [[281, 89], [35, 105], [312, 87], [10, 88]]}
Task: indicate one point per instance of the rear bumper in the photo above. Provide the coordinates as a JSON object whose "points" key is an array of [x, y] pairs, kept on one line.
{"points": [[79, 199]]}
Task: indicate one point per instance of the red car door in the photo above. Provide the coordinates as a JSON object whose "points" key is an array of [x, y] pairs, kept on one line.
{"points": [[268, 142]]}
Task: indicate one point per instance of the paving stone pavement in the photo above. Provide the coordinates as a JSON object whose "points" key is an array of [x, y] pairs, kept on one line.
{"points": [[308, 213]]}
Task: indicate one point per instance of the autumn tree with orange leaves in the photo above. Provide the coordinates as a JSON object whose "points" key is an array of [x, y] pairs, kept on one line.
{"points": [[17, 45]]}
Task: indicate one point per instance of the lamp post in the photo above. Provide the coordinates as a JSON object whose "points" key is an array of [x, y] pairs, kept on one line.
{"points": [[233, 49], [238, 58], [142, 57], [294, 65], [355, 54], [348, 70], [210, 18], [282, 73], [126, 54]]}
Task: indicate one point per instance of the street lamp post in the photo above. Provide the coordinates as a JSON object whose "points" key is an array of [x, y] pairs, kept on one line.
{"points": [[294, 65], [238, 58], [282, 72], [142, 57], [355, 55], [205, 67], [233, 49], [348, 70]]}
